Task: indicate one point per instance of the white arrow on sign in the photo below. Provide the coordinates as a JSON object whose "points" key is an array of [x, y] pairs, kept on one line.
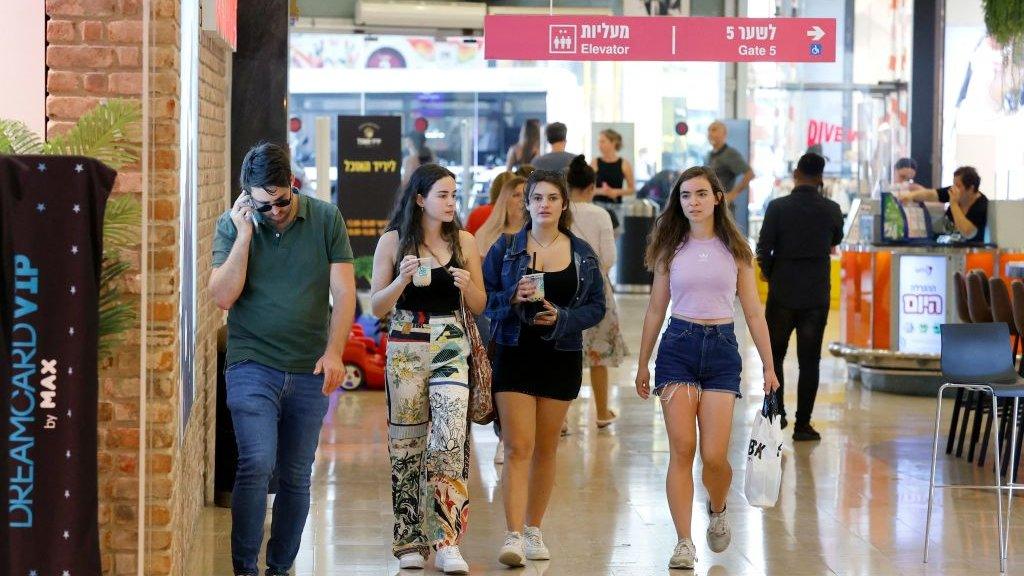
{"points": [[816, 33]]}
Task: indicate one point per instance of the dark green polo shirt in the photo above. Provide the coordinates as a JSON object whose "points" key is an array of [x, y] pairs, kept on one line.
{"points": [[282, 317]]}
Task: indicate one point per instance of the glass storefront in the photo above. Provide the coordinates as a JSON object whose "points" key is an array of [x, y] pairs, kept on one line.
{"points": [[852, 111], [465, 99]]}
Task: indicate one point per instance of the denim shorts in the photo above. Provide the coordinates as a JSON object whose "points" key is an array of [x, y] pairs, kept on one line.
{"points": [[705, 356]]}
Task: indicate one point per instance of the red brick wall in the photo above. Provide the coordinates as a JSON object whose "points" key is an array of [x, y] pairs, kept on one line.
{"points": [[94, 51]]}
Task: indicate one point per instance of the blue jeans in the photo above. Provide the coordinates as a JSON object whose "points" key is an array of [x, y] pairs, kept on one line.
{"points": [[277, 418]]}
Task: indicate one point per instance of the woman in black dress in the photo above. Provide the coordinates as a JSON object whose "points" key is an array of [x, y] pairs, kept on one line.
{"points": [[537, 329], [614, 173]]}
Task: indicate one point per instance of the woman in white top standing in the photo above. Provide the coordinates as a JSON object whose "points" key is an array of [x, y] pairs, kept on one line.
{"points": [[603, 346], [702, 261]]}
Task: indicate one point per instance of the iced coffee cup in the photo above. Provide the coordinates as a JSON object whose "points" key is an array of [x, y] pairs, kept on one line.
{"points": [[424, 268], [538, 286]]}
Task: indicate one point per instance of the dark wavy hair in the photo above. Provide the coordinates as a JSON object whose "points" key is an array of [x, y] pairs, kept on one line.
{"points": [[672, 228], [580, 175], [407, 218], [556, 180]]}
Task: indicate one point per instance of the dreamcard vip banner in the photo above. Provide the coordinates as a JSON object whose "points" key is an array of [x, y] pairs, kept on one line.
{"points": [[52, 214]]}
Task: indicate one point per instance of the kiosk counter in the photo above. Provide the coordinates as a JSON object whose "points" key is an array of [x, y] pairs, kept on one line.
{"points": [[895, 293]]}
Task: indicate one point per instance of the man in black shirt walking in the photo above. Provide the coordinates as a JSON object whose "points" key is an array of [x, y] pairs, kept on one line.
{"points": [[793, 250]]}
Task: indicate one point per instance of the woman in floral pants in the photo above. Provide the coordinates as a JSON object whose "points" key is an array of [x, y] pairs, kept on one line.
{"points": [[427, 369]]}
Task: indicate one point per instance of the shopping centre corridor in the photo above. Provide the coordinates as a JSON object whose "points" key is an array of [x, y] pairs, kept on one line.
{"points": [[852, 504]]}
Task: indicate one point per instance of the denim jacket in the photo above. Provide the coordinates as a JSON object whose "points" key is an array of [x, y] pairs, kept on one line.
{"points": [[506, 263]]}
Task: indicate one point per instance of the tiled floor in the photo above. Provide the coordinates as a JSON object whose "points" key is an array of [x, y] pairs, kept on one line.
{"points": [[853, 504]]}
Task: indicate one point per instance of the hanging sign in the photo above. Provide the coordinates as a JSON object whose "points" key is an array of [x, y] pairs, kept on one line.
{"points": [[628, 38]]}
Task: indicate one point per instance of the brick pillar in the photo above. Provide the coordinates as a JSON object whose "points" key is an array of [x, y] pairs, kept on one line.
{"points": [[94, 51]]}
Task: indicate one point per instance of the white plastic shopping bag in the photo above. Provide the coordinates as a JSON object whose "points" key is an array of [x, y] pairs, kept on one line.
{"points": [[764, 457]]}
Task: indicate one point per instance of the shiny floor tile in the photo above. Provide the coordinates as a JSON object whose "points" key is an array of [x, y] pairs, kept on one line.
{"points": [[852, 504]]}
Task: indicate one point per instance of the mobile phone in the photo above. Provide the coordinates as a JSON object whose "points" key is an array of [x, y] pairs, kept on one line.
{"points": [[254, 216]]}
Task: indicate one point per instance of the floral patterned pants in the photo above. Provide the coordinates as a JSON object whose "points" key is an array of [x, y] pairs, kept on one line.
{"points": [[428, 402]]}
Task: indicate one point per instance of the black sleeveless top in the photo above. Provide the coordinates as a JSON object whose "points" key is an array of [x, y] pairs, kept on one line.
{"points": [[612, 174], [440, 297], [559, 289]]}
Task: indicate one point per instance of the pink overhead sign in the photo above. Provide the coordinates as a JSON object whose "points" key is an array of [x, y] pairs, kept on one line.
{"points": [[660, 38]]}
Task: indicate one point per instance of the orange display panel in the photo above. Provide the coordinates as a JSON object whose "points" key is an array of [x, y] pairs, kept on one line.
{"points": [[985, 261], [856, 290], [881, 336]]}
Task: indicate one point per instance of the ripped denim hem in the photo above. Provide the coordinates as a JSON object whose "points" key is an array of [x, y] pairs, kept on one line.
{"points": [[668, 391]]}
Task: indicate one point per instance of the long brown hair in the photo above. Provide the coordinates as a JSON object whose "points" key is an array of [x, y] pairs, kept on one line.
{"points": [[495, 224], [558, 181], [407, 218], [672, 228], [529, 141]]}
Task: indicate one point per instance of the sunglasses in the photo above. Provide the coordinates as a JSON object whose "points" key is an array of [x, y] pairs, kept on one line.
{"points": [[262, 207]]}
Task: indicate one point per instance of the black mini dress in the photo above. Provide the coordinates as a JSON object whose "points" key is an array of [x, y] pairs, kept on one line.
{"points": [[535, 367]]}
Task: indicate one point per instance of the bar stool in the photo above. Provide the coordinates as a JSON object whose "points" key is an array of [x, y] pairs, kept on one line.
{"points": [[981, 312], [959, 406], [1017, 311], [984, 284], [999, 298], [1017, 308], [976, 357]]}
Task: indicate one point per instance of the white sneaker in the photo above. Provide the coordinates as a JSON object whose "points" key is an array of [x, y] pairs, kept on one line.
{"points": [[684, 555], [411, 560], [499, 453], [719, 532], [512, 553], [449, 560], [534, 545]]}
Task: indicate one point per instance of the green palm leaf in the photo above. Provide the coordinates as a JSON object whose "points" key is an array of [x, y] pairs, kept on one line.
{"points": [[101, 134], [121, 223], [17, 138]]}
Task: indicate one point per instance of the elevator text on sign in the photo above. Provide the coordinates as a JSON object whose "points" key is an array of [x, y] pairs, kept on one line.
{"points": [[625, 38]]}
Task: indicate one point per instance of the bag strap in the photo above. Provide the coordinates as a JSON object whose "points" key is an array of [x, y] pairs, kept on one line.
{"points": [[770, 407]]}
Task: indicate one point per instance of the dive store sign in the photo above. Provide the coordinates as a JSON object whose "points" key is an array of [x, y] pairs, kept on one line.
{"points": [[625, 38]]}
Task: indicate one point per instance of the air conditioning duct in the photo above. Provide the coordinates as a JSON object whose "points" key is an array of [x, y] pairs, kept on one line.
{"points": [[411, 14]]}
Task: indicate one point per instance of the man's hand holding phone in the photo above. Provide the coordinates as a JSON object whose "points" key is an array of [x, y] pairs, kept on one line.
{"points": [[242, 214]]}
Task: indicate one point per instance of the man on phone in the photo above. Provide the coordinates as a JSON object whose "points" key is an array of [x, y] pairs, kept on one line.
{"points": [[278, 258]]}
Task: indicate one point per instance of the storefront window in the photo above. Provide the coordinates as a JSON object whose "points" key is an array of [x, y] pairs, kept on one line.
{"points": [[447, 83], [852, 111]]}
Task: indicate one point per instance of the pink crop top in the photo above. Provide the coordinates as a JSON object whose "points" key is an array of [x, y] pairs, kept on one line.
{"points": [[702, 280]]}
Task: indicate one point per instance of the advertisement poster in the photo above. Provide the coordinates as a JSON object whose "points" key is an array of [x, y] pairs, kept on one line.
{"points": [[922, 303], [52, 252], [369, 175]]}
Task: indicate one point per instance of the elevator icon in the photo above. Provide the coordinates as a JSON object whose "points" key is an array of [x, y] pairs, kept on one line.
{"points": [[562, 39]]}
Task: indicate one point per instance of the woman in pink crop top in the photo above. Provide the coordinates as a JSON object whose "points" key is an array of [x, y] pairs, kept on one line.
{"points": [[701, 262]]}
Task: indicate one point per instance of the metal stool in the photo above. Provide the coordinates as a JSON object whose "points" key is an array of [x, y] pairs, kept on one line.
{"points": [[976, 357]]}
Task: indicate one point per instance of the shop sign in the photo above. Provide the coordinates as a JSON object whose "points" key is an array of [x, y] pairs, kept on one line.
{"points": [[626, 38], [824, 132], [369, 174], [922, 303]]}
